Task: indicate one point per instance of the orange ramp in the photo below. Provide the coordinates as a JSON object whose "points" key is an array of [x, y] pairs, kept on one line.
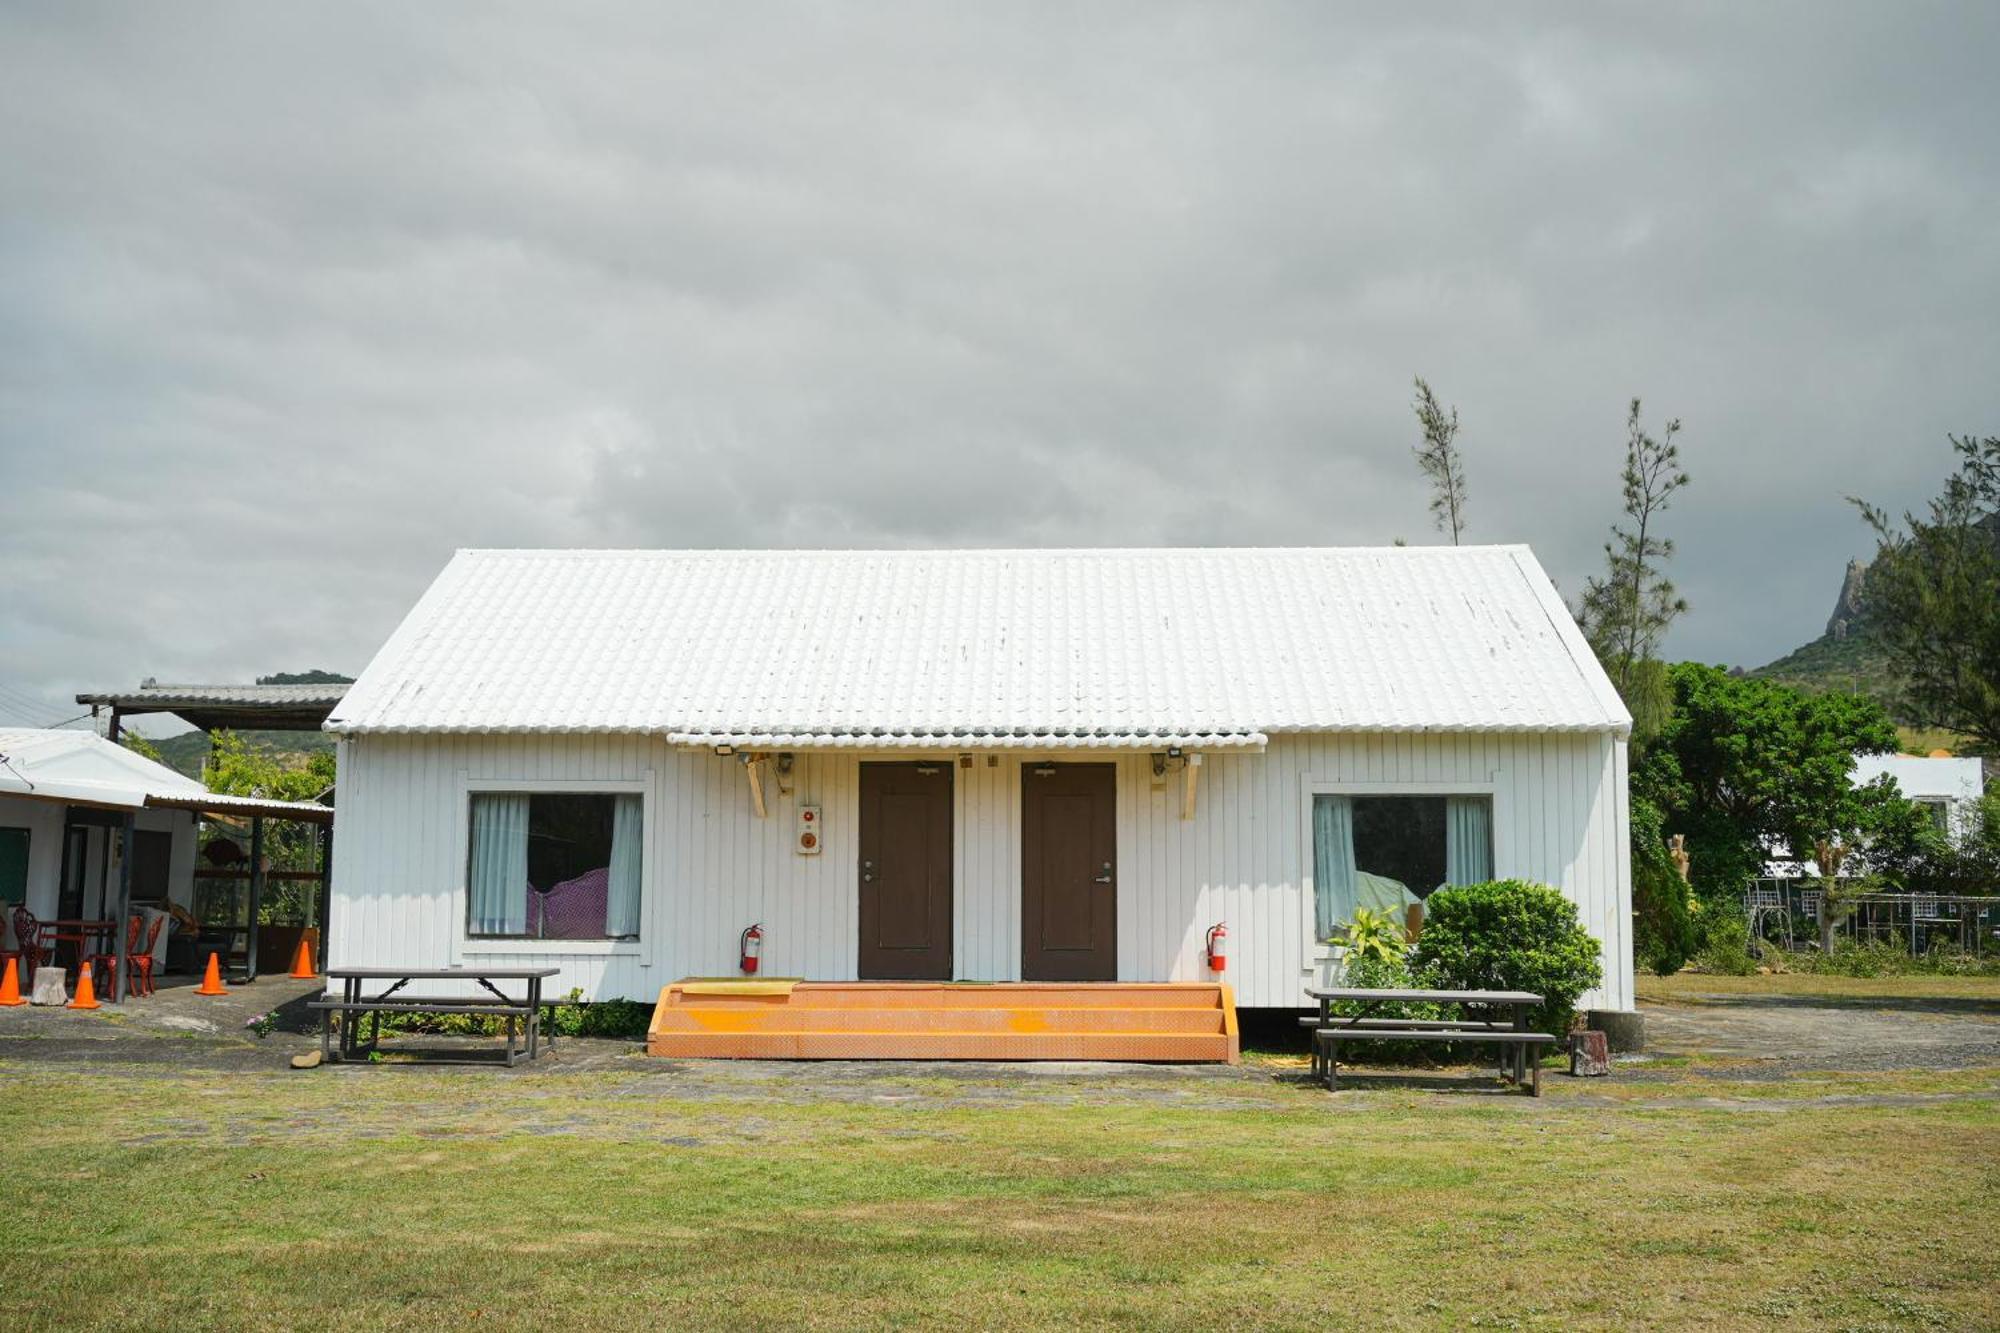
{"points": [[891, 1020]]}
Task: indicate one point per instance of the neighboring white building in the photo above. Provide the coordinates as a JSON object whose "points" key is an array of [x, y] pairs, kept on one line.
{"points": [[972, 765], [66, 800], [1949, 788], [1946, 786]]}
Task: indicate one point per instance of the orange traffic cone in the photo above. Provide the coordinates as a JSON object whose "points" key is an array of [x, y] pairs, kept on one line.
{"points": [[10, 986], [86, 994], [302, 962], [211, 980]]}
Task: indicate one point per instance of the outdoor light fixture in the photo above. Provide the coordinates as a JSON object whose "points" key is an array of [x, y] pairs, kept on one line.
{"points": [[724, 751]]}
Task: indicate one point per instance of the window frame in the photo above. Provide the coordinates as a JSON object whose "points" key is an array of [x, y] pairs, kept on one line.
{"points": [[1310, 786], [466, 944], [1939, 810]]}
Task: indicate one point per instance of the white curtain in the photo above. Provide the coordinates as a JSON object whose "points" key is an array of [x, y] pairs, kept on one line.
{"points": [[621, 895], [499, 864], [1468, 840], [1333, 864]]}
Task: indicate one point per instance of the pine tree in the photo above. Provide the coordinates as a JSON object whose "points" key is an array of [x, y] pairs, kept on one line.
{"points": [[1441, 461], [1626, 613]]}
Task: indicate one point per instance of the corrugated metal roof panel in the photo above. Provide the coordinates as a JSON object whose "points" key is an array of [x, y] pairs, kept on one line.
{"points": [[164, 697], [958, 645], [85, 768]]}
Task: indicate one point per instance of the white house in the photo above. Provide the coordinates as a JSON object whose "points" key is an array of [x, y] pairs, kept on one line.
{"points": [[1947, 787], [967, 765], [87, 825]]}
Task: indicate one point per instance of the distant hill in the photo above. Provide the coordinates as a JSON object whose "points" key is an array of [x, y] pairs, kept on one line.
{"points": [[314, 677], [184, 753], [1847, 656]]}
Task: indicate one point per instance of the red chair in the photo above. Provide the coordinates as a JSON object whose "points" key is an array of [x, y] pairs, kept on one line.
{"points": [[31, 944], [104, 966], [142, 958]]}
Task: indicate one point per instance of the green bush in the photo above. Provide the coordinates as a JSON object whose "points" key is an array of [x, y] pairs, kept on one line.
{"points": [[1726, 951], [1391, 973], [1509, 935], [1372, 935], [620, 1020], [1376, 973], [1890, 958], [624, 1020]]}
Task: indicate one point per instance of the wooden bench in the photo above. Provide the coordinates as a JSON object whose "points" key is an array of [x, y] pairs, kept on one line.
{"points": [[1326, 1044]]}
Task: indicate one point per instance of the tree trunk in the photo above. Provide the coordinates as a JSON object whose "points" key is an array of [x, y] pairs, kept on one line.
{"points": [[1826, 924]]}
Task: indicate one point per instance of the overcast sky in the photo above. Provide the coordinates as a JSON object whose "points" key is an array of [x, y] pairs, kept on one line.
{"points": [[293, 303]]}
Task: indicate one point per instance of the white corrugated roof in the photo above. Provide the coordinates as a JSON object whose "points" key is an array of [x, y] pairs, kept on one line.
{"points": [[1113, 648], [82, 767]]}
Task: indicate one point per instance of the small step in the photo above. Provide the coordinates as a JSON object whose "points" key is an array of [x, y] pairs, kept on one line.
{"points": [[1216, 1048], [704, 1019], [969, 995]]}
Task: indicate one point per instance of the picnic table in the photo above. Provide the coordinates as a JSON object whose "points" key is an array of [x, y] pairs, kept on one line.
{"points": [[526, 1011], [78, 933], [1494, 1018]]}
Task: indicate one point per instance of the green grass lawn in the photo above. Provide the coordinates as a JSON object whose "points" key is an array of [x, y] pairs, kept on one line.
{"points": [[1658, 990], [394, 1198]]}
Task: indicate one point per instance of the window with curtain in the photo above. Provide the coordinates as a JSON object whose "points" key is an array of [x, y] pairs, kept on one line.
{"points": [[554, 865], [1389, 853]]}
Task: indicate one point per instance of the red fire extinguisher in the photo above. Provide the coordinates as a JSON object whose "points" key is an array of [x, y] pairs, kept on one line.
{"points": [[752, 948], [1218, 947]]}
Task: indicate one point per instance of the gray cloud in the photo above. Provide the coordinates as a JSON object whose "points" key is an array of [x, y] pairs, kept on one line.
{"points": [[295, 303]]}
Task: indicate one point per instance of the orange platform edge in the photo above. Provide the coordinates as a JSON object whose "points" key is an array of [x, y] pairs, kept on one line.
{"points": [[1166, 1022]]}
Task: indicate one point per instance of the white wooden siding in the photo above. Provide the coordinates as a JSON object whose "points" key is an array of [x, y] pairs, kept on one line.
{"points": [[44, 822], [712, 867]]}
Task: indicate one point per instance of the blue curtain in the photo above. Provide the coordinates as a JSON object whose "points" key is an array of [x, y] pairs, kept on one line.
{"points": [[1333, 864], [499, 864], [1468, 840], [621, 897]]}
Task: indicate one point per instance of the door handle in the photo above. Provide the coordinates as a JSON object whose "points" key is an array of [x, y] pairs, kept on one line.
{"points": [[1104, 878], [867, 872]]}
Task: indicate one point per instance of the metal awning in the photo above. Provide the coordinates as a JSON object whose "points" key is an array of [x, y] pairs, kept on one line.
{"points": [[236, 707], [214, 803]]}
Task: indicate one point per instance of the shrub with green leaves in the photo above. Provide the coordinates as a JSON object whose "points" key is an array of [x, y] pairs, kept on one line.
{"points": [[622, 1020], [1391, 973], [1372, 935], [1509, 935], [1726, 952]]}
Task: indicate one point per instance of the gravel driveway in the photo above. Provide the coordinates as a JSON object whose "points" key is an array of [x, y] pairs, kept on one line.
{"points": [[1742, 1037]]}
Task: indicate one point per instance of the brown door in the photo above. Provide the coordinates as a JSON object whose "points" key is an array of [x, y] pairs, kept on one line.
{"points": [[1069, 872], [906, 872]]}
